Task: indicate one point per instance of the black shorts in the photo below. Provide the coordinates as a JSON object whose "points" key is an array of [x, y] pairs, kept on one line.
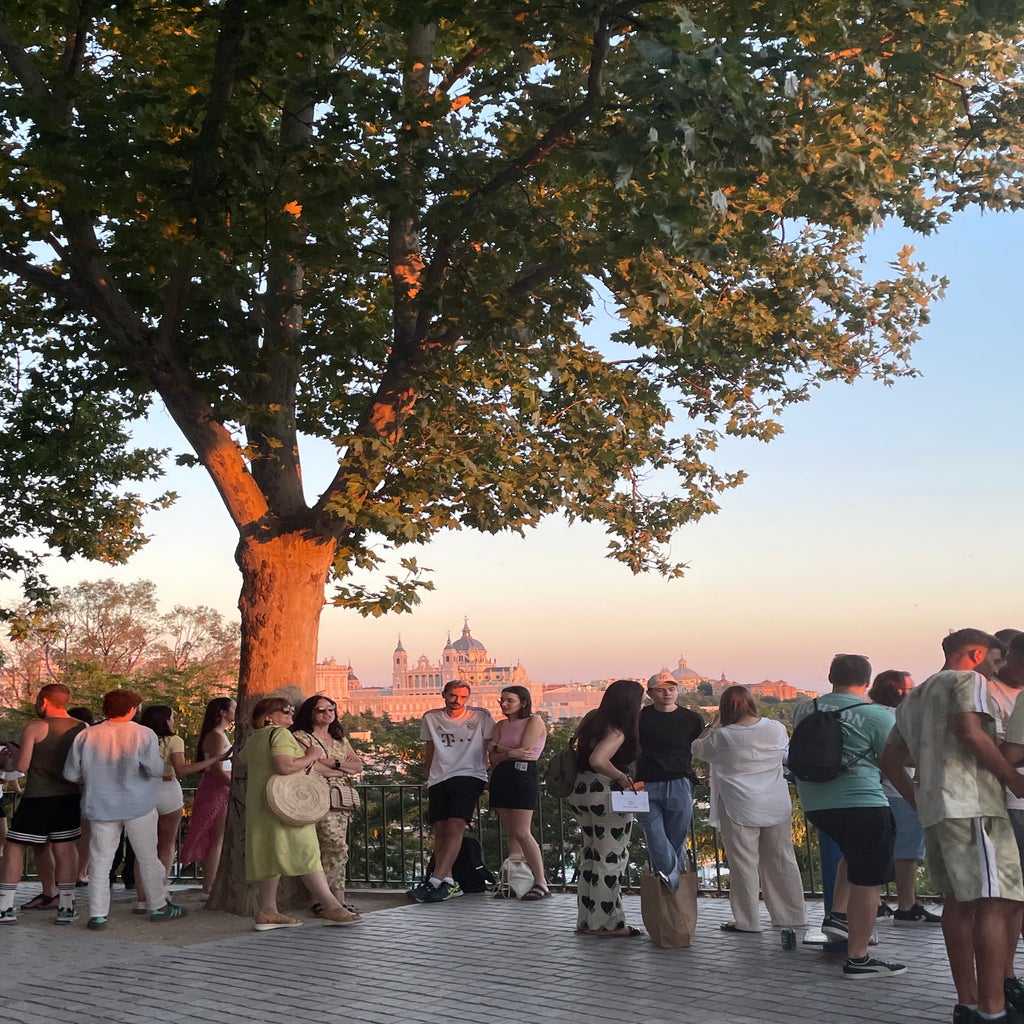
{"points": [[515, 785], [42, 819], [456, 797], [865, 835]]}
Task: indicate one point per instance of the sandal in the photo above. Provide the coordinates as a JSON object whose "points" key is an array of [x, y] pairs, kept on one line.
{"points": [[317, 909], [730, 926], [40, 902], [268, 922], [619, 933], [538, 892], [351, 909]]}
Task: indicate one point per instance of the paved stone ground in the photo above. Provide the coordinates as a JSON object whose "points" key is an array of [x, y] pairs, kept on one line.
{"points": [[468, 961]]}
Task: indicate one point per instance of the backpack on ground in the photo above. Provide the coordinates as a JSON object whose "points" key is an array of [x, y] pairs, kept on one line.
{"points": [[469, 869], [816, 746]]}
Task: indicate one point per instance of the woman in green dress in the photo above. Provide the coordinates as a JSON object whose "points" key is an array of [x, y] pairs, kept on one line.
{"points": [[272, 848]]}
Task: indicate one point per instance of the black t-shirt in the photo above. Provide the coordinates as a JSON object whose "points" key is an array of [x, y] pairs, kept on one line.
{"points": [[665, 739]]}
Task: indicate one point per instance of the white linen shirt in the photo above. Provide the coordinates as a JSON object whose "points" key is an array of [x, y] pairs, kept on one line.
{"points": [[117, 764], [746, 772]]}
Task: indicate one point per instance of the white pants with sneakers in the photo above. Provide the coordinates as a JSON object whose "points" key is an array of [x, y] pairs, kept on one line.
{"points": [[103, 841]]}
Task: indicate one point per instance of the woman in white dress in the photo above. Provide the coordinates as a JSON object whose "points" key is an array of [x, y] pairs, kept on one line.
{"points": [[751, 808]]}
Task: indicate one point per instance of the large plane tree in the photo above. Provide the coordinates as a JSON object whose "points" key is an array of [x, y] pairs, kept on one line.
{"points": [[386, 226]]}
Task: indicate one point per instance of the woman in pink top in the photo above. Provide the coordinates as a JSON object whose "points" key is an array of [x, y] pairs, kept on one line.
{"points": [[515, 786]]}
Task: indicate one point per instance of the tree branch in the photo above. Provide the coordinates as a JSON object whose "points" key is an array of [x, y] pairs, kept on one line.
{"points": [[563, 128], [22, 65], [460, 68]]}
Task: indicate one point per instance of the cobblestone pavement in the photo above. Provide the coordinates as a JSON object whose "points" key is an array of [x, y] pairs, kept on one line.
{"points": [[466, 961]]}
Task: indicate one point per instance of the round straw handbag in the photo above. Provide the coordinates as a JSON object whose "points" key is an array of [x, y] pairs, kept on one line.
{"points": [[299, 799]]}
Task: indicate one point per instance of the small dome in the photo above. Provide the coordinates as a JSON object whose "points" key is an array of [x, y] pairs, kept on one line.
{"points": [[466, 642]]}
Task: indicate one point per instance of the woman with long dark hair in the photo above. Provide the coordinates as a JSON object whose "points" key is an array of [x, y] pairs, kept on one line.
{"points": [[205, 835], [606, 747], [316, 725], [514, 786], [169, 798], [752, 810]]}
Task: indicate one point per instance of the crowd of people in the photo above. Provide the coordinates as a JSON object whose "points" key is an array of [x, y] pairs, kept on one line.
{"points": [[118, 782], [927, 772]]}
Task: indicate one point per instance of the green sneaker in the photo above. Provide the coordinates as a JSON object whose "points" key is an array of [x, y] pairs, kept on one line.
{"points": [[168, 912], [96, 924], [9, 916], [66, 916], [445, 891]]}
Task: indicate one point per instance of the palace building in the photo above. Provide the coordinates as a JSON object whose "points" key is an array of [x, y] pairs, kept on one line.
{"points": [[416, 688]]}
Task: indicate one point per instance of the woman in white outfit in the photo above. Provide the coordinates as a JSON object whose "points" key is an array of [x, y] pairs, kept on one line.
{"points": [[751, 808]]}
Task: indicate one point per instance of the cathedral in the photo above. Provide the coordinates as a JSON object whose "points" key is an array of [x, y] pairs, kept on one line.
{"points": [[416, 688]]}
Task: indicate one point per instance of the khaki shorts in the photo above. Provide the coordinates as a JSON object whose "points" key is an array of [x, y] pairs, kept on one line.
{"points": [[974, 859]]}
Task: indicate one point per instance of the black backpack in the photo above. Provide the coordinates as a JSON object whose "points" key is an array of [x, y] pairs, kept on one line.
{"points": [[816, 746], [469, 869]]}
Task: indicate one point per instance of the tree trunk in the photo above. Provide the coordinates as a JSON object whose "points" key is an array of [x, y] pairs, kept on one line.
{"points": [[283, 583]]}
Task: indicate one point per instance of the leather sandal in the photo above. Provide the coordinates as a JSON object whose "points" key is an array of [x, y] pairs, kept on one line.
{"points": [[538, 892], [40, 901]]}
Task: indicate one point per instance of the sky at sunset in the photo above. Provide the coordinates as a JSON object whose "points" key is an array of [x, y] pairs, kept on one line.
{"points": [[880, 519]]}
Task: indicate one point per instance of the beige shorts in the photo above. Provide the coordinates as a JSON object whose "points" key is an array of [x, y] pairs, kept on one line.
{"points": [[974, 859]]}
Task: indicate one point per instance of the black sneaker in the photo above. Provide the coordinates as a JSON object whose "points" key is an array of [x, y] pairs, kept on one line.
{"points": [[916, 915], [837, 927], [871, 967], [420, 892], [445, 891], [1013, 990], [962, 1014], [884, 910]]}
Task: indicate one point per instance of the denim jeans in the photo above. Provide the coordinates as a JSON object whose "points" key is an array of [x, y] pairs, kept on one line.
{"points": [[667, 824]]}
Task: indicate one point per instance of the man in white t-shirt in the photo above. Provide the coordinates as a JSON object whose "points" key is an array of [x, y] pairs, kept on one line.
{"points": [[456, 758]]}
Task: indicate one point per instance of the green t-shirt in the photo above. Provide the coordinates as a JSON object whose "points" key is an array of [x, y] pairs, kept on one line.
{"points": [[865, 731]]}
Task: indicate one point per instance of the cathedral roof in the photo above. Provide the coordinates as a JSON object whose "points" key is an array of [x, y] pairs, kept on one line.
{"points": [[466, 642]]}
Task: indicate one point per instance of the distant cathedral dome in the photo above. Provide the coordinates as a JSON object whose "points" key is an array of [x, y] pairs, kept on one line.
{"points": [[466, 643]]}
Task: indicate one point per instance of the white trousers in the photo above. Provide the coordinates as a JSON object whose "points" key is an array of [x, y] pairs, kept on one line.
{"points": [[103, 840], [763, 859]]}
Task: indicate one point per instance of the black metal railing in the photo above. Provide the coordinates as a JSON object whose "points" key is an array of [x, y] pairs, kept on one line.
{"points": [[389, 842]]}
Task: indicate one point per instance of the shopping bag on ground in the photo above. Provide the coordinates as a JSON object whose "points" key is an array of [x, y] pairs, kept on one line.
{"points": [[669, 917]]}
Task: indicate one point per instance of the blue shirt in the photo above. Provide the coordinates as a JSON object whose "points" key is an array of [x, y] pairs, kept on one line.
{"points": [[117, 764]]}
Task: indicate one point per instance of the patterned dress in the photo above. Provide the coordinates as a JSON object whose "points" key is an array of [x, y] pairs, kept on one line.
{"points": [[603, 856], [209, 806], [332, 829]]}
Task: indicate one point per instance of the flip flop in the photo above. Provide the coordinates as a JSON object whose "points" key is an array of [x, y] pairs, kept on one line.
{"points": [[538, 892], [40, 902]]}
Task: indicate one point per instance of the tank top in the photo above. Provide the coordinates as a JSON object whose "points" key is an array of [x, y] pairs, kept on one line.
{"points": [[45, 776], [512, 731]]}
